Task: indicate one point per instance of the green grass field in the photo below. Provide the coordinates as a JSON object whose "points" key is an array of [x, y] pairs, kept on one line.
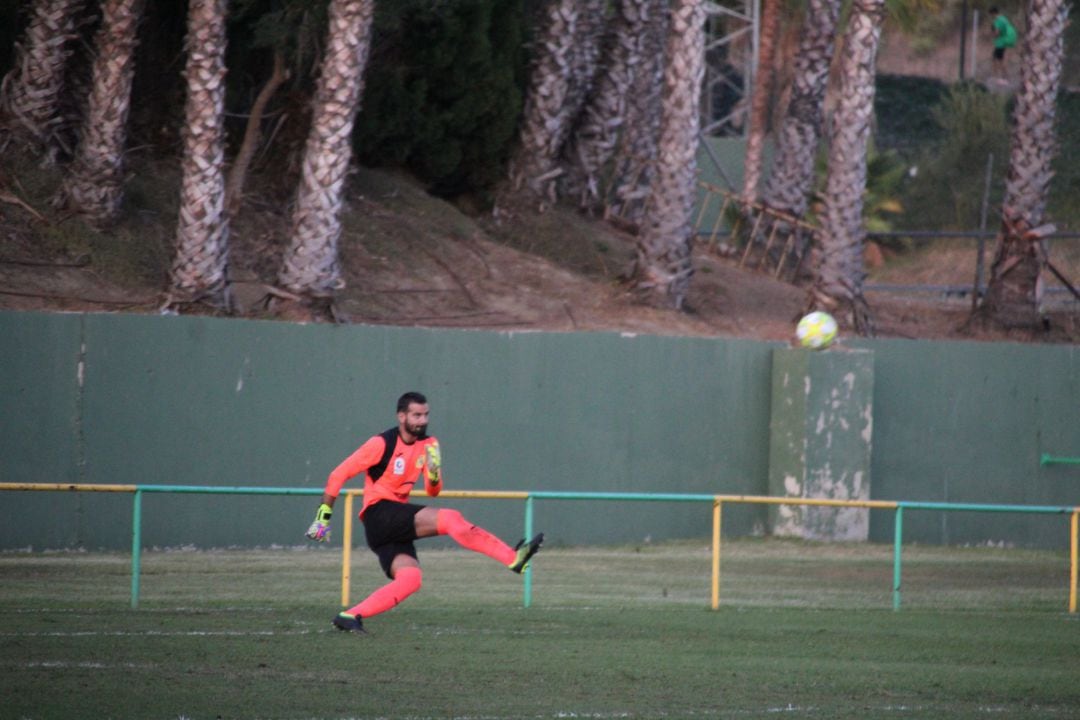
{"points": [[805, 631]]}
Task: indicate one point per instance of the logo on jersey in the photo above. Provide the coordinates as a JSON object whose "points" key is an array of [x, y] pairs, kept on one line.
{"points": [[399, 465]]}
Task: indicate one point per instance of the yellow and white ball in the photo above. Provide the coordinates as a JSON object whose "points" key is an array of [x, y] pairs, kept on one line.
{"points": [[816, 330]]}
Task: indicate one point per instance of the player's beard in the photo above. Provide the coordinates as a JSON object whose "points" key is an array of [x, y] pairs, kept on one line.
{"points": [[417, 431]]}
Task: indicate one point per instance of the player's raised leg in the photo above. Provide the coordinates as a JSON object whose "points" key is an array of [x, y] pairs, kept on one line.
{"points": [[446, 521]]}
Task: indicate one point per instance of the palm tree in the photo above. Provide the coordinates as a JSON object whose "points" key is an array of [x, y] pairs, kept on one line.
{"points": [[94, 183], [787, 190], [759, 103], [557, 87], [1015, 288], [791, 181], [632, 169], [311, 267], [200, 267], [596, 132], [31, 91], [838, 287], [590, 28], [664, 263]]}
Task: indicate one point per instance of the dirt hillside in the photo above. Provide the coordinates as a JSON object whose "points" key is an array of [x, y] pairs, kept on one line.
{"points": [[413, 260]]}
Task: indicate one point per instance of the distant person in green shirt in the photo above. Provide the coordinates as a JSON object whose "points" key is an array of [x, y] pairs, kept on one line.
{"points": [[1004, 38]]}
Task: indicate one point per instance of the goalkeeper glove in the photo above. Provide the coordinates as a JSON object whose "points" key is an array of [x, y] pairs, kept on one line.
{"points": [[434, 460], [320, 529]]}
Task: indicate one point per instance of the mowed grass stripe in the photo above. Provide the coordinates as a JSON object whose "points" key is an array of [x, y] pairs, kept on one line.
{"points": [[804, 631]]}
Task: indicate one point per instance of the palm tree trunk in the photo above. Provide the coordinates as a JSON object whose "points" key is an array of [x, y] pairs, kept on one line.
{"points": [[635, 155], [311, 266], [94, 183], [664, 263], [1014, 292], [838, 287], [586, 58], [596, 133], [200, 268], [554, 97], [788, 188], [759, 103], [30, 92]]}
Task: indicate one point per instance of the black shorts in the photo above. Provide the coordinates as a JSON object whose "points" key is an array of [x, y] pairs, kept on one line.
{"points": [[999, 53], [390, 528]]}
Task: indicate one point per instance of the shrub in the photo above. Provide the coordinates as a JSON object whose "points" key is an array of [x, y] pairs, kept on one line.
{"points": [[948, 177], [443, 92], [901, 106]]}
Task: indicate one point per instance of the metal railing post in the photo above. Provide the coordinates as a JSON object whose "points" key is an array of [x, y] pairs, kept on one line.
{"points": [[898, 535], [1074, 532], [528, 536], [136, 547], [717, 515], [346, 550]]}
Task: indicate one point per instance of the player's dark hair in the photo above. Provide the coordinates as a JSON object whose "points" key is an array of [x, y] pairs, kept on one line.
{"points": [[408, 399], [994, 10]]}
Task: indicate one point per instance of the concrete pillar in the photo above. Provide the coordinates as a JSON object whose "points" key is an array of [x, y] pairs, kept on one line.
{"points": [[820, 440]]}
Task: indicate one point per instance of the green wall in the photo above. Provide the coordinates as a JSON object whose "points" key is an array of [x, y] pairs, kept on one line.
{"points": [[203, 401], [40, 425], [189, 400], [968, 422]]}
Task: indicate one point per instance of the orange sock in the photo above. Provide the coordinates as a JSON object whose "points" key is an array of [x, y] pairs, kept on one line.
{"points": [[453, 523], [406, 581]]}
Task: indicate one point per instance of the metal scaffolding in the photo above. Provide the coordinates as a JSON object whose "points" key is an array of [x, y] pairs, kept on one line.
{"points": [[731, 50]]}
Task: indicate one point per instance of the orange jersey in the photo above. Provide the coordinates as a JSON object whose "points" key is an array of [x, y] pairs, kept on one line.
{"points": [[405, 467]]}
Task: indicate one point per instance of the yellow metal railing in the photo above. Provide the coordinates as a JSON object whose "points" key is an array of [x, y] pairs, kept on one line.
{"points": [[530, 498]]}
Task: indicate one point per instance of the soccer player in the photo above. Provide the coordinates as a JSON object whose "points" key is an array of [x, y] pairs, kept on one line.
{"points": [[394, 461]]}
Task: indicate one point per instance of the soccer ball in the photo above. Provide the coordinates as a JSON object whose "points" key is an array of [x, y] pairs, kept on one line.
{"points": [[816, 330]]}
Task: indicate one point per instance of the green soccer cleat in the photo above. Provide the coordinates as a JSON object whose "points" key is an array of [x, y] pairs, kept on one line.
{"points": [[525, 551], [349, 623]]}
